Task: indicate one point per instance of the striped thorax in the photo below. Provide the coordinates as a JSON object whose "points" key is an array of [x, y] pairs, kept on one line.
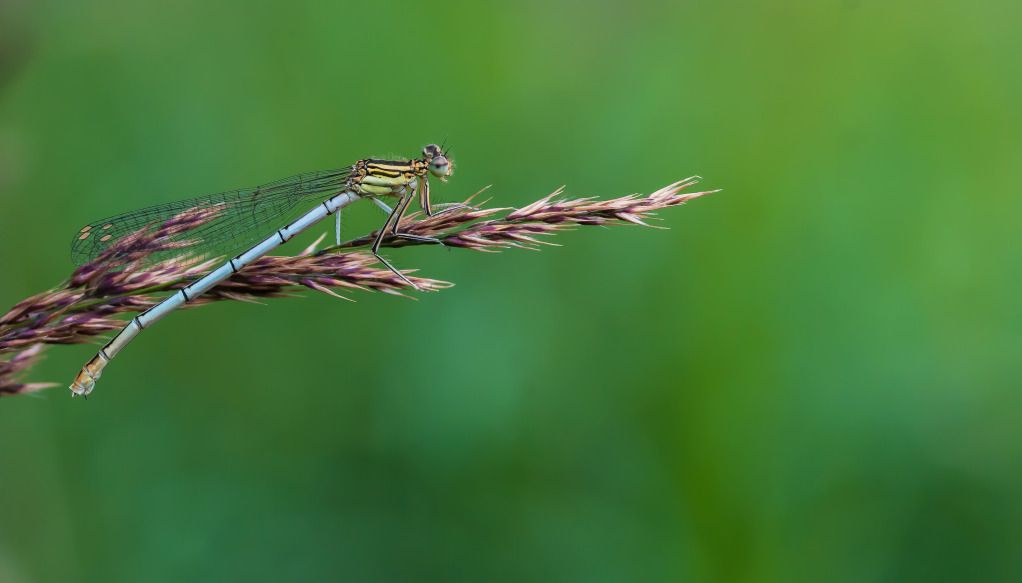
{"points": [[373, 177]]}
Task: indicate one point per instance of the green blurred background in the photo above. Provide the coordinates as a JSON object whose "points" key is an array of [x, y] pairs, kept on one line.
{"points": [[813, 376]]}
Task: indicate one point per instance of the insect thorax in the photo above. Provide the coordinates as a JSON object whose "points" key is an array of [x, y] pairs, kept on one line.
{"points": [[385, 177]]}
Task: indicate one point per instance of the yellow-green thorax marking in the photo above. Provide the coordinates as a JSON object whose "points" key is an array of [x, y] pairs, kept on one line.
{"points": [[386, 177]]}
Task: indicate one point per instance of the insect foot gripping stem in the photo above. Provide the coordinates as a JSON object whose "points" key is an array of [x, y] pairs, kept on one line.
{"points": [[85, 382]]}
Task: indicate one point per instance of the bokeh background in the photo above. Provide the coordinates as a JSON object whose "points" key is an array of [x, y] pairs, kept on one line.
{"points": [[813, 376]]}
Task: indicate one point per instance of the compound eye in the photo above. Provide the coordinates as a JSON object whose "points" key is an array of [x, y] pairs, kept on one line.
{"points": [[431, 150]]}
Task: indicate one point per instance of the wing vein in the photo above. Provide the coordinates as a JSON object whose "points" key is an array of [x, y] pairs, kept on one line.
{"points": [[248, 215]]}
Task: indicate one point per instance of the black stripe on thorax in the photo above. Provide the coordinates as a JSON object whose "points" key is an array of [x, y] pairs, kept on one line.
{"points": [[389, 173]]}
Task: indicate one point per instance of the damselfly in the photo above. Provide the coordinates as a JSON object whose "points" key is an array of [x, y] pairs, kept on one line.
{"points": [[246, 216]]}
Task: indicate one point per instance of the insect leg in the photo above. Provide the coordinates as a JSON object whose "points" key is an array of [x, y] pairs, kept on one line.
{"points": [[382, 205], [391, 224], [406, 201], [402, 207], [443, 208], [424, 196]]}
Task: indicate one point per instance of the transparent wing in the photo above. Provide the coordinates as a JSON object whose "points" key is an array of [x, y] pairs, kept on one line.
{"points": [[248, 216]]}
